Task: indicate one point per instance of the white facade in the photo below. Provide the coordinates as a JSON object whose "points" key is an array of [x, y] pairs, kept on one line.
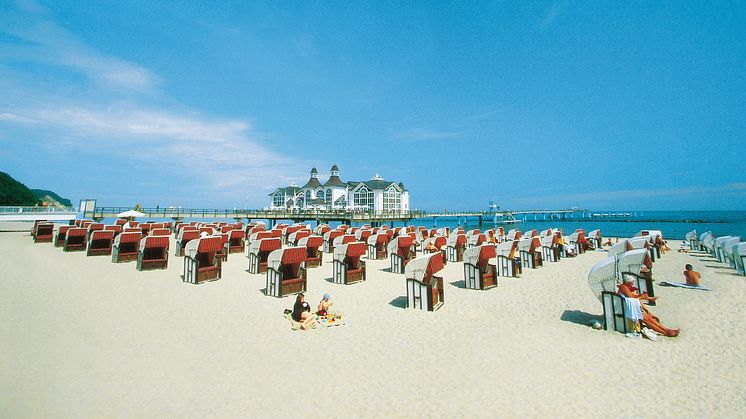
{"points": [[376, 194]]}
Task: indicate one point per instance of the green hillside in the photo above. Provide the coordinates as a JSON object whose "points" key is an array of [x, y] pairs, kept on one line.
{"points": [[51, 198], [13, 192]]}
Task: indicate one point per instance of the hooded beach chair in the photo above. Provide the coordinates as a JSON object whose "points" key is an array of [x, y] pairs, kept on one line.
{"points": [[159, 232], [719, 247], [513, 234], [576, 240], [595, 239], [550, 248], [400, 253], [314, 255], [638, 264], [100, 243], [621, 246], [506, 264], [475, 240], [479, 274], [348, 268], [739, 255], [286, 272], [344, 239], [125, 247], [362, 235], [707, 242], [257, 235], [236, 242], [294, 237], [642, 243], [202, 261], [59, 239], [602, 280], [153, 253], [44, 232], [424, 289], [117, 229], [692, 239], [727, 250], [259, 251], [75, 239], [455, 246], [185, 236], [329, 237], [529, 248], [321, 229], [377, 246]]}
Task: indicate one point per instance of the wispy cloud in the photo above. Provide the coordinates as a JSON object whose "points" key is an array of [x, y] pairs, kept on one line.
{"points": [[425, 134], [551, 14], [227, 153]]}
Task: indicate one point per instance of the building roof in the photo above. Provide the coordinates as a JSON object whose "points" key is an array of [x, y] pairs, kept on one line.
{"points": [[312, 183], [289, 190], [375, 184], [335, 168], [335, 181]]}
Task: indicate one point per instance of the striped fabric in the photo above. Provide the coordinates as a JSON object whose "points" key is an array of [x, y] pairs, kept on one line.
{"points": [[485, 254], [77, 232], [160, 232], [293, 255], [269, 245], [404, 241], [115, 228], [236, 234], [461, 240], [314, 241], [63, 229], [129, 237], [334, 234], [434, 265], [95, 227], [356, 249], [155, 241], [102, 235], [348, 238], [210, 245], [440, 242], [133, 230], [276, 233]]}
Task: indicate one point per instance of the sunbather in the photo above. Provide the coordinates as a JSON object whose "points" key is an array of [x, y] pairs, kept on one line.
{"points": [[628, 290], [692, 277], [302, 313], [430, 248], [608, 243]]}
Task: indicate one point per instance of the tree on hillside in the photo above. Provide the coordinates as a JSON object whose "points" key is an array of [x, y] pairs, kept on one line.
{"points": [[13, 192]]}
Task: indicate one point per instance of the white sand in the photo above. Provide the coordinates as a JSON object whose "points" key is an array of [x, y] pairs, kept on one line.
{"points": [[83, 337]]}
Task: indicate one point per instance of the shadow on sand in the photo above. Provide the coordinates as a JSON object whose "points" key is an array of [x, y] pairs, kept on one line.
{"points": [[581, 317], [459, 284], [399, 302]]}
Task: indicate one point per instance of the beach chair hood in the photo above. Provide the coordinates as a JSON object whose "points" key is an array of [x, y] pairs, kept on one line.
{"points": [[603, 277], [422, 268]]}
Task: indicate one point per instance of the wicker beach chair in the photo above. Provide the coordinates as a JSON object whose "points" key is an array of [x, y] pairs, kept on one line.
{"points": [[720, 247], [377, 246], [424, 289], [286, 272], [259, 251], [59, 239], [529, 250], [43, 232], [294, 237], [594, 239], [400, 253], [125, 247], [153, 253], [602, 280], [642, 243], [576, 241], [692, 238], [236, 243], [637, 263], [479, 274], [506, 263], [621, 246], [550, 248], [314, 255], [727, 248], [75, 239], [455, 246], [100, 243], [117, 229], [160, 232], [739, 255], [329, 237], [185, 236], [347, 266], [202, 261], [344, 239], [513, 234]]}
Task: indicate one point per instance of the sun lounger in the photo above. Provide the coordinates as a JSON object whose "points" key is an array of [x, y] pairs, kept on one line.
{"points": [[478, 273], [259, 251], [348, 268], [100, 243], [377, 246], [505, 262], [286, 272], [314, 255], [400, 253], [153, 253], [125, 247], [201, 260], [424, 289], [59, 239], [529, 248], [44, 232], [75, 239]]}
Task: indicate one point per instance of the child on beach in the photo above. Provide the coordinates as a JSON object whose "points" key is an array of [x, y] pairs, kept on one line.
{"points": [[324, 305], [692, 277]]}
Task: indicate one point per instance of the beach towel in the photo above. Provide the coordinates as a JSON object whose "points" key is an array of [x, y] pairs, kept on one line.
{"points": [[327, 322], [683, 285], [632, 308]]}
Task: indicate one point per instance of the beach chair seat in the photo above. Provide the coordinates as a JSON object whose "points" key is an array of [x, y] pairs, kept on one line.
{"points": [[100, 243], [153, 253], [455, 247], [377, 248], [314, 255], [478, 273], [201, 260], [125, 247], [505, 262], [259, 251], [59, 239], [400, 253], [424, 288], [236, 241], [75, 239], [184, 237], [529, 248], [286, 272], [44, 233], [347, 266]]}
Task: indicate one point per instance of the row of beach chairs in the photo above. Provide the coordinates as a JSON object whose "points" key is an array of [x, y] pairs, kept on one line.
{"points": [[726, 249]]}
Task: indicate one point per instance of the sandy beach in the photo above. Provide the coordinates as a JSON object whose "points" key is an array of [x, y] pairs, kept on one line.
{"points": [[84, 337]]}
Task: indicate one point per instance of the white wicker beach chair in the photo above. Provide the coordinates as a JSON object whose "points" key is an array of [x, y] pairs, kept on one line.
{"points": [[424, 289], [348, 268], [479, 274]]}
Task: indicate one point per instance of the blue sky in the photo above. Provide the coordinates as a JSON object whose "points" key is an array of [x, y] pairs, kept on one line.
{"points": [[634, 105]]}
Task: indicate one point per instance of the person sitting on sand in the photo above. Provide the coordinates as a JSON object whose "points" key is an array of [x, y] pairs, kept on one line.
{"points": [[628, 290], [324, 305], [430, 248], [302, 313], [692, 277], [608, 243]]}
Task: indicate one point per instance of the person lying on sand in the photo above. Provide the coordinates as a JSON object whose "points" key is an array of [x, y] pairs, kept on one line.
{"points": [[692, 277], [628, 290], [302, 313]]}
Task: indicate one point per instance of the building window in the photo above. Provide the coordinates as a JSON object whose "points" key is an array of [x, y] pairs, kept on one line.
{"points": [[308, 196], [363, 199], [328, 197], [278, 200], [391, 199], [299, 202], [320, 195]]}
